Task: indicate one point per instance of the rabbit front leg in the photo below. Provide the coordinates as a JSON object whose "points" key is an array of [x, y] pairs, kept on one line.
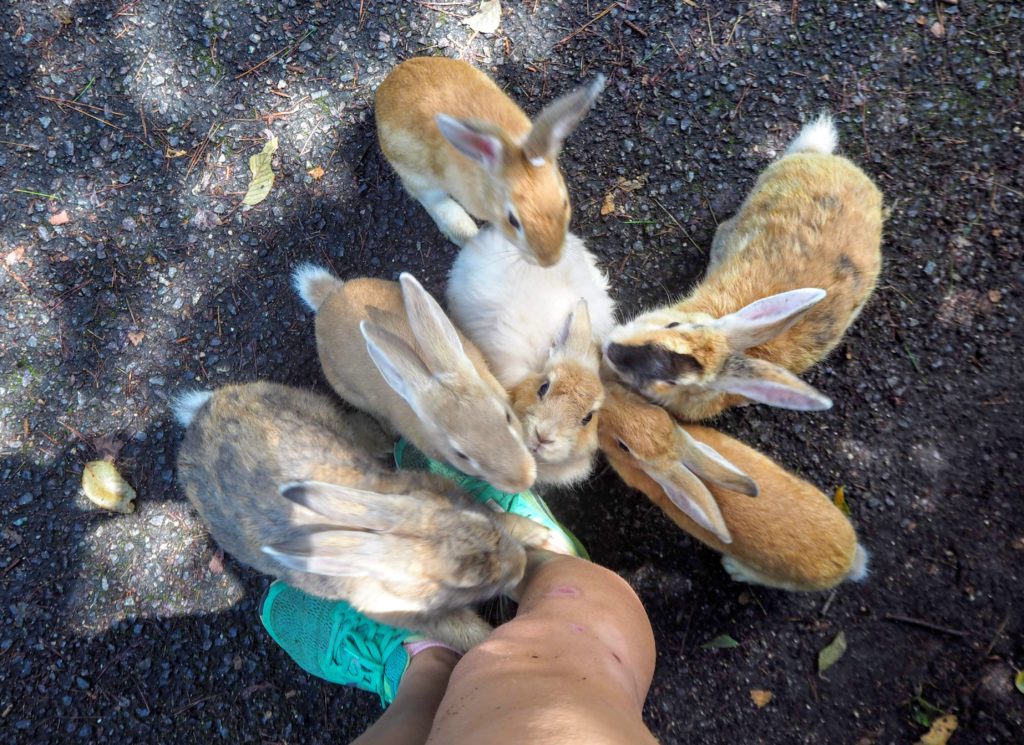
{"points": [[720, 244], [462, 629], [449, 215]]}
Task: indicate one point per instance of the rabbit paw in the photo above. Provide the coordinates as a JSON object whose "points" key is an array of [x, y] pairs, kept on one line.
{"points": [[453, 221], [741, 572]]}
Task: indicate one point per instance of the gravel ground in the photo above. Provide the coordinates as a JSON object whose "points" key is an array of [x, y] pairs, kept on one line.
{"points": [[129, 271]]}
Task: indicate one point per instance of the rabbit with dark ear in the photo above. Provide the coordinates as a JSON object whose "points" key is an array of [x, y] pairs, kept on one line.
{"points": [[278, 476], [462, 147], [772, 527], [789, 273]]}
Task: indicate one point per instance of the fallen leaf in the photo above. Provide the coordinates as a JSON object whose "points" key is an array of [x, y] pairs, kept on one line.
{"points": [[722, 641], [921, 20], [136, 337], [316, 173], [60, 218], [691, 3], [262, 174], [1019, 681], [217, 562], [487, 19], [830, 655], [942, 729], [938, 30], [105, 488], [881, 4], [14, 256], [761, 697], [995, 296], [840, 501], [608, 205], [171, 153], [205, 219]]}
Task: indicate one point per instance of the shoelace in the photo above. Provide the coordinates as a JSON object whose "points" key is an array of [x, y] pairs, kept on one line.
{"points": [[362, 648]]}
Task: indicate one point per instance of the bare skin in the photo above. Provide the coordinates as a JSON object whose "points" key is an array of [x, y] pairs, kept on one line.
{"points": [[574, 666]]}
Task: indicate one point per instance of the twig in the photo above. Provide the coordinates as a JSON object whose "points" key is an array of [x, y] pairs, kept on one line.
{"points": [[282, 50], [85, 89], [678, 225], [924, 624], [593, 20], [35, 193], [26, 145], [635, 27], [999, 632], [828, 603]]}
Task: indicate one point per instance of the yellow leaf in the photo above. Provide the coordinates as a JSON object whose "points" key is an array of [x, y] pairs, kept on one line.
{"points": [[172, 153], [136, 337], [830, 655], [316, 173], [105, 488], [942, 729], [608, 205], [840, 501], [487, 20], [761, 697], [262, 174], [1019, 681]]}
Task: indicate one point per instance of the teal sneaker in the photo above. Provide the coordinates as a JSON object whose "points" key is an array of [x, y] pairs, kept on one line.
{"points": [[332, 640], [525, 504]]}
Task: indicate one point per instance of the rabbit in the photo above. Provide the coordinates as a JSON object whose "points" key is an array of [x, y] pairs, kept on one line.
{"points": [[788, 274], [462, 147], [558, 406], [389, 349], [281, 480], [513, 309], [789, 535]]}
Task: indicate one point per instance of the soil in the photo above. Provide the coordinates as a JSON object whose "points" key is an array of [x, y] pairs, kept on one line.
{"points": [[135, 121]]}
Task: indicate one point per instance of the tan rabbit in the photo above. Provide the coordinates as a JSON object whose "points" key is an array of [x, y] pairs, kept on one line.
{"points": [[789, 273], [389, 349], [280, 478], [460, 145], [789, 536], [559, 405]]}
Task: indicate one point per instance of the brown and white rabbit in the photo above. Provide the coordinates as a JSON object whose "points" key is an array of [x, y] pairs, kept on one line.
{"points": [[460, 145], [790, 535], [559, 405], [281, 480], [389, 349], [788, 274]]}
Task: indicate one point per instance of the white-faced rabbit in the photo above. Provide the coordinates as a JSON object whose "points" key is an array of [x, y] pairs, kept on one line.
{"points": [[513, 309], [280, 479], [789, 273], [460, 145], [789, 535], [389, 349]]}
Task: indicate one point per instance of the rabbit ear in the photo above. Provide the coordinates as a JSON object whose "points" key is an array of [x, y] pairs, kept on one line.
{"points": [[397, 361], [557, 121], [768, 317], [439, 343], [574, 340], [688, 493], [709, 464], [352, 508], [768, 383], [472, 141], [344, 553]]}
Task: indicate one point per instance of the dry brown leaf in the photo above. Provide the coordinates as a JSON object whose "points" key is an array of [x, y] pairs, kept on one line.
{"points": [[938, 30], [61, 218], [942, 729], [922, 20], [170, 153], [136, 337], [14, 256], [761, 697], [608, 205], [316, 173], [105, 488], [995, 296]]}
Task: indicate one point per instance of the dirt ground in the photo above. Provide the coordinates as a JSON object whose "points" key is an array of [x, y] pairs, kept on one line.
{"points": [[129, 272]]}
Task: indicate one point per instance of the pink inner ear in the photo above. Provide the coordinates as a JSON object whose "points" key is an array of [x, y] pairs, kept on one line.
{"points": [[778, 306], [483, 144], [777, 394]]}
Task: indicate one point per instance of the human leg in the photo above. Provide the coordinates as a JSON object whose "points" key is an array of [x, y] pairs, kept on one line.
{"points": [[573, 666]]}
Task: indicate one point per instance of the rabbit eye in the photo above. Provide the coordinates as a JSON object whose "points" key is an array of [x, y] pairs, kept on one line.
{"points": [[587, 418], [513, 220], [622, 446], [672, 325], [462, 455], [508, 418], [542, 391]]}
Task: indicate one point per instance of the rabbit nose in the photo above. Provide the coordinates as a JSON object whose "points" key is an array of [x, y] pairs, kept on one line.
{"points": [[544, 438]]}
